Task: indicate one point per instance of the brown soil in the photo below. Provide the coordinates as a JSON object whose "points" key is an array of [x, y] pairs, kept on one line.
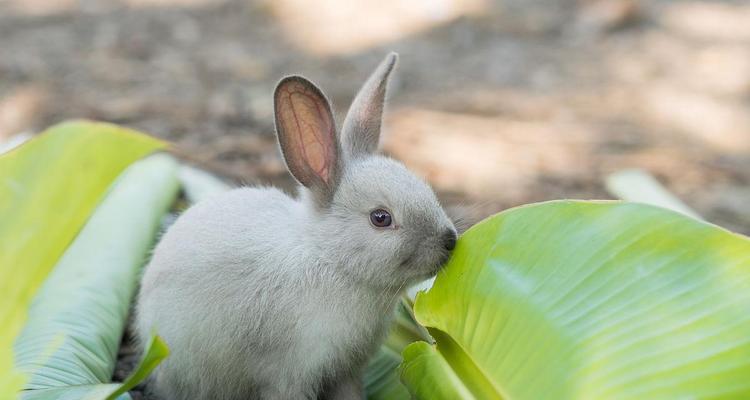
{"points": [[497, 104]]}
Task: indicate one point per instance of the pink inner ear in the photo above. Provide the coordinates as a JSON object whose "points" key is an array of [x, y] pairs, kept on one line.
{"points": [[315, 143], [310, 128]]}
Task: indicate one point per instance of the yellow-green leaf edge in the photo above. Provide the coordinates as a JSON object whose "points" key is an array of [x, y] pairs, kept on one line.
{"points": [[584, 300], [70, 165]]}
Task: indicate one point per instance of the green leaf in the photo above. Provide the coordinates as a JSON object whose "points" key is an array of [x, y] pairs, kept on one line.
{"points": [[48, 188], [156, 351], [381, 376], [639, 186], [76, 320], [588, 300], [433, 376]]}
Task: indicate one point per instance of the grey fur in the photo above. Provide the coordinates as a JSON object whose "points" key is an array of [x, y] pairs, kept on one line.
{"points": [[264, 296], [361, 129]]}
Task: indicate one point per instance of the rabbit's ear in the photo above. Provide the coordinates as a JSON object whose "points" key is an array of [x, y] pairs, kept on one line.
{"points": [[307, 135], [361, 130]]}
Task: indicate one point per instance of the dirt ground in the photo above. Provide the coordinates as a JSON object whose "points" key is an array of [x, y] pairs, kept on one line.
{"points": [[495, 103]]}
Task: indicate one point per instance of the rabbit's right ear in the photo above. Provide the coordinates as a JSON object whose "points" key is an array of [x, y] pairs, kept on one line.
{"points": [[307, 136], [361, 130]]}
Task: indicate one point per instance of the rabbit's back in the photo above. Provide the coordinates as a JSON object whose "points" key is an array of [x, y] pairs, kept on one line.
{"points": [[220, 258], [237, 232]]}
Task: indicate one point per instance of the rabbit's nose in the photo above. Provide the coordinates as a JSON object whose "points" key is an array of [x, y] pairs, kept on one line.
{"points": [[449, 239]]}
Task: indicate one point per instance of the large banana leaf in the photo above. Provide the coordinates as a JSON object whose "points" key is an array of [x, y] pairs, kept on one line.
{"points": [[69, 344], [587, 300], [48, 188], [155, 351]]}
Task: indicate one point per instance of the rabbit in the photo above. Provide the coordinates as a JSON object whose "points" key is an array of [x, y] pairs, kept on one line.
{"points": [[260, 295]]}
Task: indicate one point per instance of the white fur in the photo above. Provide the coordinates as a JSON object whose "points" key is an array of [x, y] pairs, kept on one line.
{"points": [[260, 295]]}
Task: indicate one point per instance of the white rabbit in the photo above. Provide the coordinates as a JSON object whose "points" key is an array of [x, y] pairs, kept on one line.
{"points": [[263, 296]]}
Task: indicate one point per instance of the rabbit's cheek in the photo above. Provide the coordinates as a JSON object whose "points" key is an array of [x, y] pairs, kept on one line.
{"points": [[408, 260], [425, 263]]}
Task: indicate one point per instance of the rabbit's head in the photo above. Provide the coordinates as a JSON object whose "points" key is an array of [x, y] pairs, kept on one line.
{"points": [[370, 219]]}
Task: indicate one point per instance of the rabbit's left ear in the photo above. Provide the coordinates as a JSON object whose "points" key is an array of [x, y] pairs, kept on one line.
{"points": [[361, 131], [307, 136]]}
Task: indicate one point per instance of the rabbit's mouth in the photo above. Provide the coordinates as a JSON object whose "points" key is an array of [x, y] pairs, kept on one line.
{"points": [[432, 267], [444, 257], [425, 261], [442, 261]]}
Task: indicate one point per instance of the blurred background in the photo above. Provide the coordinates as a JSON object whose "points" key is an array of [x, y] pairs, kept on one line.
{"points": [[496, 103]]}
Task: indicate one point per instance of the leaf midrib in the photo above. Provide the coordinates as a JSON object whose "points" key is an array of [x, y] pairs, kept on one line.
{"points": [[472, 376]]}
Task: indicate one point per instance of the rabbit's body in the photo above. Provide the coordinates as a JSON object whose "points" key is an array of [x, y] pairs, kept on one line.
{"points": [[260, 295], [312, 328]]}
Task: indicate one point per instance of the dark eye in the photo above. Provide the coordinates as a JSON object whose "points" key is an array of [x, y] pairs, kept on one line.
{"points": [[380, 218]]}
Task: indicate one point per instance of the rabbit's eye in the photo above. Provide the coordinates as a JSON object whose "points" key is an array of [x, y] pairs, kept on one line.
{"points": [[380, 218]]}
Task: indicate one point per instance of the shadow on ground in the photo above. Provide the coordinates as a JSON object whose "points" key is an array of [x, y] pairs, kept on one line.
{"points": [[496, 103]]}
